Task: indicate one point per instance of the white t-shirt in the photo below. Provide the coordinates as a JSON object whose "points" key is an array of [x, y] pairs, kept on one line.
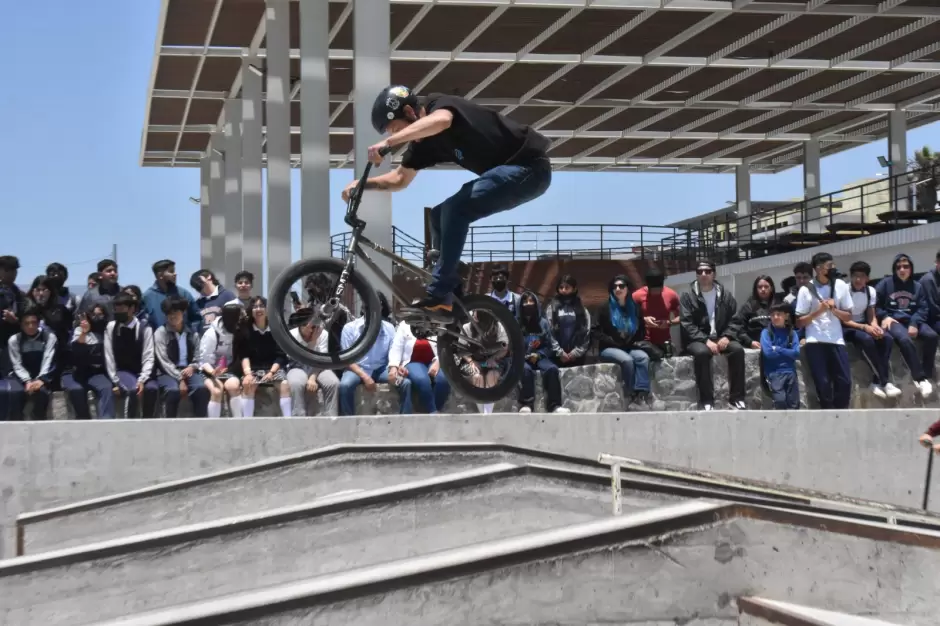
{"points": [[826, 328], [860, 304], [711, 298]]}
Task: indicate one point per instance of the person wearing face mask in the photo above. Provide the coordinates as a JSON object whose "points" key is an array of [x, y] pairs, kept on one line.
{"points": [[57, 275], [105, 291], [499, 280], [55, 317], [538, 358], [570, 323], [164, 286], [129, 358], [620, 329], [215, 354], [32, 355], [822, 306], [87, 370]]}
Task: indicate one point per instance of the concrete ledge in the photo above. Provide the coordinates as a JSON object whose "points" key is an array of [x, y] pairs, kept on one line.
{"points": [[795, 615]]}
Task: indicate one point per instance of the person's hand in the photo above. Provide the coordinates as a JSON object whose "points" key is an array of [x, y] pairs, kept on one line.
{"points": [[403, 371], [877, 330], [474, 369], [434, 369], [33, 386], [823, 305], [219, 371], [268, 377], [369, 384], [926, 440], [912, 331], [374, 155], [830, 303], [9, 316], [347, 192], [248, 380], [187, 372], [755, 345], [532, 358], [184, 390], [802, 342], [565, 357], [393, 372], [651, 321], [140, 389], [886, 322], [712, 346], [116, 390], [723, 343], [85, 326], [312, 386]]}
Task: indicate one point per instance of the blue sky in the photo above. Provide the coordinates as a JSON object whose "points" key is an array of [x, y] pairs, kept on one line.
{"points": [[73, 107]]}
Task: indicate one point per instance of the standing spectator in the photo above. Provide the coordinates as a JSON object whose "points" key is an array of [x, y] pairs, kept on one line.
{"points": [[106, 289], [92, 283], [57, 275], [707, 331], [499, 281], [307, 383], [930, 286], [163, 287], [413, 366], [620, 328], [864, 332], [244, 282], [538, 357], [212, 297], [215, 355], [754, 315], [822, 306], [659, 308], [373, 367], [570, 323], [903, 311], [177, 353], [260, 360], [88, 372], [780, 348], [55, 317], [129, 357], [32, 356]]}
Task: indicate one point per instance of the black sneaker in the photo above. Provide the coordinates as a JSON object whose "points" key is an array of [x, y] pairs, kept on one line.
{"points": [[430, 307]]}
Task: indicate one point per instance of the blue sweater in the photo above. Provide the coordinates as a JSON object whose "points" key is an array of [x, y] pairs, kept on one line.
{"points": [[902, 300], [153, 301], [777, 356]]}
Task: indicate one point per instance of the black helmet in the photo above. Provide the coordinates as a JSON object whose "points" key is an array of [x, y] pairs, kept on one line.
{"points": [[390, 105]]}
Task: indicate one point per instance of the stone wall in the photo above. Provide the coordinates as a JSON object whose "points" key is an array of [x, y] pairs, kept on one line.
{"points": [[597, 388]]}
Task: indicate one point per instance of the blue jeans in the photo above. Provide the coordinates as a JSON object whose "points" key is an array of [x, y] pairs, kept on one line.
{"points": [[634, 367], [784, 390], [347, 388], [499, 189], [76, 386], [433, 392]]}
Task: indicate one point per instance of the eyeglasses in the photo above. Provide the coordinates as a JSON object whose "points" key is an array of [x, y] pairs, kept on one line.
{"points": [[704, 271], [619, 286]]}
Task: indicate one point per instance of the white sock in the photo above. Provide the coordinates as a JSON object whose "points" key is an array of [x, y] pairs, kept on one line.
{"points": [[286, 407], [248, 407], [235, 404], [487, 408], [215, 409]]}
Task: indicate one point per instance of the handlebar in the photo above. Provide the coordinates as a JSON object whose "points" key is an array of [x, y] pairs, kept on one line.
{"points": [[356, 196]]}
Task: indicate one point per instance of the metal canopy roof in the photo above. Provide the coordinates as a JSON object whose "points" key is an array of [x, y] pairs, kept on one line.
{"points": [[648, 85]]}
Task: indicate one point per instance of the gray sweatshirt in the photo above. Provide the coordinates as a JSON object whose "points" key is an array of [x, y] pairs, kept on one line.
{"points": [[29, 350], [161, 339]]}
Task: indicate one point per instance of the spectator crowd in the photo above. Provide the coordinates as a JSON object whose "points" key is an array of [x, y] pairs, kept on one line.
{"points": [[154, 347]]}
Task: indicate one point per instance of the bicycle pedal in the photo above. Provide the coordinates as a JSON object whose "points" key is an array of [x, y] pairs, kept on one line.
{"points": [[429, 317]]}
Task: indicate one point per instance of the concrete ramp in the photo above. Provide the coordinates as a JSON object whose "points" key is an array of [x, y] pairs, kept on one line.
{"points": [[685, 563], [761, 611]]}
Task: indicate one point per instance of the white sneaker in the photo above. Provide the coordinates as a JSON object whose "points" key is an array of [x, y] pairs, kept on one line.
{"points": [[525, 409], [561, 409], [740, 405], [925, 388], [706, 407], [879, 392], [891, 391]]}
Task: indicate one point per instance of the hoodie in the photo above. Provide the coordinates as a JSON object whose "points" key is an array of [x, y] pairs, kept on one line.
{"points": [[693, 315], [777, 355], [536, 330], [153, 300], [929, 283], [752, 318], [216, 344], [210, 307], [608, 333], [570, 325], [902, 300]]}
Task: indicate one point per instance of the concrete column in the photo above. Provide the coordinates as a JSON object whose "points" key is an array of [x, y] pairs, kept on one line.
{"points": [[372, 73], [897, 154], [251, 168], [233, 189], [278, 135], [315, 128], [205, 213], [742, 187], [812, 222], [217, 199]]}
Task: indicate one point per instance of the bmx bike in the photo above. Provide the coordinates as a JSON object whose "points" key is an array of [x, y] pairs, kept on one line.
{"points": [[480, 335]]}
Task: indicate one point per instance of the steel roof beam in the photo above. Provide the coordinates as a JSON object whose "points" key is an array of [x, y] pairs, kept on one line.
{"points": [[161, 26]]}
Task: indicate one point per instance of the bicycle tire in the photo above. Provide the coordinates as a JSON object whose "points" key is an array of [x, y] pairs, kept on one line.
{"points": [[447, 349], [278, 321]]}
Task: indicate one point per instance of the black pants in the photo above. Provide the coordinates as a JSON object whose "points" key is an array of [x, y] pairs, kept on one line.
{"points": [[829, 364], [784, 390], [701, 361], [876, 351], [550, 382]]}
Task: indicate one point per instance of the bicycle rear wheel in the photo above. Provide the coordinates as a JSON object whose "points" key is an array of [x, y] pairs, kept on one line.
{"points": [[324, 313], [453, 350]]}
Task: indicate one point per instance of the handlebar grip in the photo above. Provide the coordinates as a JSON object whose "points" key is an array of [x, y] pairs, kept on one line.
{"points": [[385, 151]]}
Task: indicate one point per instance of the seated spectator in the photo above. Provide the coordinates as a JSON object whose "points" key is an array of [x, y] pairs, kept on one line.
{"points": [[659, 308], [87, 366], [780, 348], [244, 282], [707, 331], [538, 357], [373, 367], [499, 282], [929, 283], [903, 311], [570, 323], [864, 332], [492, 335], [413, 367], [106, 289], [754, 315], [822, 306], [55, 317], [177, 352], [163, 287], [32, 356], [215, 354], [619, 331], [307, 383], [57, 275], [134, 292], [129, 357], [260, 361], [212, 297], [12, 302]]}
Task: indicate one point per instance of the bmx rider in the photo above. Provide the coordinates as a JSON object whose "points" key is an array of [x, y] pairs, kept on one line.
{"points": [[510, 160]]}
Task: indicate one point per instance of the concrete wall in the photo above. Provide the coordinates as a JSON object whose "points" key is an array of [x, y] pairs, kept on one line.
{"points": [[866, 454]]}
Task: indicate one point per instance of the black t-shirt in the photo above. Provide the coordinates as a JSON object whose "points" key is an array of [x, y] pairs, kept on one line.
{"points": [[478, 139]]}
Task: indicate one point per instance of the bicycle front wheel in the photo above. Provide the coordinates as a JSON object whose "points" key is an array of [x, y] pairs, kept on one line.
{"points": [[323, 311]]}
